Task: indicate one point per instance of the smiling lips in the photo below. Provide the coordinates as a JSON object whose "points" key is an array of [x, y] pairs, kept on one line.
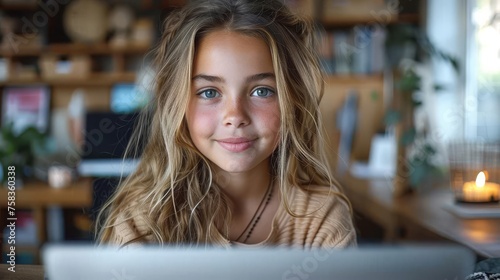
{"points": [[235, 145]]}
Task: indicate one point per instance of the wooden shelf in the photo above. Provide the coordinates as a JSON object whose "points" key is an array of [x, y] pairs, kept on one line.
{"points": [[21, 51], [368, 20], [39, 194], [23, 271], [18, 7], [409, 18], [94, 80], [72, 49], [104, 49], [353, 78], [32, 248]]}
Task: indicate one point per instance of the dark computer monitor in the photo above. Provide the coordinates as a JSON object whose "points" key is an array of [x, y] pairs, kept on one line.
{"points": [[106, 138]]}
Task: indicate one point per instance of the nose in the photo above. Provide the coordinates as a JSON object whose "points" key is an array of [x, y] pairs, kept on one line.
{"points": [[236, 112]]}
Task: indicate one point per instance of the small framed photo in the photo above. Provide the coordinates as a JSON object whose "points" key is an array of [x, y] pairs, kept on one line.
{"points": [[26, 106]]}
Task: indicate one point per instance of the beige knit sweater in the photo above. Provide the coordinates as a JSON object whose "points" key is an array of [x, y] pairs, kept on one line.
{"points": [[328, 224]]}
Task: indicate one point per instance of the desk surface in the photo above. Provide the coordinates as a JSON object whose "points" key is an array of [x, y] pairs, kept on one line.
{"points": [[425, 209], [23, 272]]}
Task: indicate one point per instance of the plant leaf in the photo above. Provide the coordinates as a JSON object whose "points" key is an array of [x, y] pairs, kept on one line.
{"points": [[429, 150], [418, 173], [409, 82], [392, 117], [374, 95], [438, 87], [456, 65], [408, 136]]}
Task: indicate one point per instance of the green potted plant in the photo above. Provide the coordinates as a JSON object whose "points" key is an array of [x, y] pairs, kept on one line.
{"points": [[408, 45], [19, 149]]}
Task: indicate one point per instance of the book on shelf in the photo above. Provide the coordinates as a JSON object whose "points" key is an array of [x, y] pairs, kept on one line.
{"points": [[25, 237], [362, 38], [342, 52], [357, 51], [377, 55], [25, 230]]}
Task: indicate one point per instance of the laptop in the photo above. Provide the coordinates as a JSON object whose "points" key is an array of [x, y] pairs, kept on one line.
{"points": [[64, 262]]}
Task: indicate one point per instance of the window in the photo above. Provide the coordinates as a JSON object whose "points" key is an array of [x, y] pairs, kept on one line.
{"points": [[482, 104]]}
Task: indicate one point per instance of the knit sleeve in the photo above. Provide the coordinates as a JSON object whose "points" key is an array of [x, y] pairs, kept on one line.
{"points": [[346, 240], [336, 228], [127, 232], [323, 221]]}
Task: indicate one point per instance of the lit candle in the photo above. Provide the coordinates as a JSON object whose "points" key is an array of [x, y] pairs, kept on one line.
{"points": [[481, 191]]}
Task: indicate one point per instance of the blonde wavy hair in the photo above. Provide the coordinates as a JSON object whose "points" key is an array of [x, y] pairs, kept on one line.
{"points": [[172, 188]]}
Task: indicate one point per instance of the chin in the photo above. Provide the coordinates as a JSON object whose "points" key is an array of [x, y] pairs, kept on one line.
{"points": [[235, 166]]}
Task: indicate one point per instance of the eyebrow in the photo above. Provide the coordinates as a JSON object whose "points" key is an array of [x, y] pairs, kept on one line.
{"points": [[216, 79]]}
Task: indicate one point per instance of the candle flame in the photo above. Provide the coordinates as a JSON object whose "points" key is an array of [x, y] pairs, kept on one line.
{"points": [[480, 179]]}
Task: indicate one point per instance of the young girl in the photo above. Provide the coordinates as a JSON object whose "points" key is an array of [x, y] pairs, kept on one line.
{"points": [[234, 153]]}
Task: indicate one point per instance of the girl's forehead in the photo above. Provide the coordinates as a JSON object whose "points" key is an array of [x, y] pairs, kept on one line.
{"points": [[230, 38], [228, 51]]}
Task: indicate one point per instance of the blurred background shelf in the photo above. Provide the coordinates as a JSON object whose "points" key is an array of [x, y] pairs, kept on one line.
{"points": [[97, 79], [332, 23], [72, 48], [36, 193], [37, 197]]}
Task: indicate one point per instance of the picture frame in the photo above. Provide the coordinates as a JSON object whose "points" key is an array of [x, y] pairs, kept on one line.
{"points": [[26, 106]]}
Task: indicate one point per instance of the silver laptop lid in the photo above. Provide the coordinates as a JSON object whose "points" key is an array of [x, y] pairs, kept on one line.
{"points": [[64, 262]]}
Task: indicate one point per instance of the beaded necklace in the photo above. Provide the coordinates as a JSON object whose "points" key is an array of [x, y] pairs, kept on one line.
{"points": [[260, 210]]}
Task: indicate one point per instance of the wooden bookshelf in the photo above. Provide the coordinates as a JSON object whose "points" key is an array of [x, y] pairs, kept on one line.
{"points": [[118, 56], [345, 29], [38, 196], [58, 66]]}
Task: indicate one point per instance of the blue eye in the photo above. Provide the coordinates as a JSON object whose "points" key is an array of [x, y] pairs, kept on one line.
{"points": [[208, 93], [262, 92]]}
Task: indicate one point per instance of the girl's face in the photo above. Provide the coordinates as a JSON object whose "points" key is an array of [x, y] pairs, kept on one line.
{"points": [[233, 113]]}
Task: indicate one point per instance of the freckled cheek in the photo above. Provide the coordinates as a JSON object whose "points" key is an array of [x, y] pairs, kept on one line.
{"points": [[201, 122], [270, 119]]}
